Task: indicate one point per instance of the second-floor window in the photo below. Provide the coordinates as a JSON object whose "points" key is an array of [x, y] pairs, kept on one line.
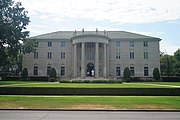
{"points": [[49, 55], [118, 43], [145, 55], [62, 55], [131, 55], [35, 55]]}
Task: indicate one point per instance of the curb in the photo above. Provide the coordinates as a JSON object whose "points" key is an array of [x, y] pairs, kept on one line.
{"points": [[111, 110]]}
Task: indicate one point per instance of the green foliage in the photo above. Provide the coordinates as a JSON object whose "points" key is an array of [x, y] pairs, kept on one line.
{"points": [[156, 74], [25, 74], [177, 54], [13, 25], [53, 75], [127, 75]]}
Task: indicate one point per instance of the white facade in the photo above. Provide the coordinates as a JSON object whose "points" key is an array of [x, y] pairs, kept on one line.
{"points": [[77, 54]]}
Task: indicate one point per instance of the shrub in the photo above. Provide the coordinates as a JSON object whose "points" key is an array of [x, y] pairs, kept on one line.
{"points": [[53, 75], [126, 74], [25, 74], [156, 74]]}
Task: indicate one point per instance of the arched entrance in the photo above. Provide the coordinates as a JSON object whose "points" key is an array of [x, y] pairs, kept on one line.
{"points": [[90, 69]]}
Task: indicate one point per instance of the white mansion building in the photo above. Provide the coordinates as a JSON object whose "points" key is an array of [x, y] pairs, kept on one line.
{"points": [[101, 54]]}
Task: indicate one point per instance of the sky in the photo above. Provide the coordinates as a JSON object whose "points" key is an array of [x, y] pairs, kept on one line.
{"points": [[156, 18]]}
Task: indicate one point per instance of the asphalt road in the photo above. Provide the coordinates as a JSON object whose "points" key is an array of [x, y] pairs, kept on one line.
{"points": [[86, 115]]}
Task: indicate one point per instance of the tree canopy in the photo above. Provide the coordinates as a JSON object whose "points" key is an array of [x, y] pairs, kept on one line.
{"points": [[13, 25]]}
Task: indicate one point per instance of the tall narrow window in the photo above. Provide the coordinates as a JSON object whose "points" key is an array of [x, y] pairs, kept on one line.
{"points": [[35, 70], [49, 44], [117, 43], [118, 71], [145, 55], [131, 44], [146, 71], [62, 55], [145, 44], [48, 70], [117, 54], [131, 55], [132, 71], [62, 71], [35, 55], [49, 55], [62, 43], [36, 43]]}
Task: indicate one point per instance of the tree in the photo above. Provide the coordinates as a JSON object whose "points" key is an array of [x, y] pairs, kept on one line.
{"points": [[13, 25], [53, 75], [166, 65], [156, 74], [177, 54], [127, 74], [25, 74], [177, 62]]}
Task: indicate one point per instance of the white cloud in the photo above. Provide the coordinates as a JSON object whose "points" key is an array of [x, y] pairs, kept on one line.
{"points": [[119, 11]]}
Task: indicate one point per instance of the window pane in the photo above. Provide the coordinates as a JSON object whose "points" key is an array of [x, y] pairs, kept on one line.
{"points": [[118, 44], [62, 71], [146, 72], [62, 43], [118, 71], [35, 70], [50, 44], [132, 71]]}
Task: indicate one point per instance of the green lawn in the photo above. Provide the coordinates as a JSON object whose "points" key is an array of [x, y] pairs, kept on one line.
{"points": [[89, 85], [91, 102]]}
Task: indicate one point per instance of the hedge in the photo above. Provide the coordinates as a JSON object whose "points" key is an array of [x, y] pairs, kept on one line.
{"points": [[91, 91]]}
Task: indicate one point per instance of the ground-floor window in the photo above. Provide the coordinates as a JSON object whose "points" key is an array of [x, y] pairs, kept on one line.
{"points": [[62, 71], [118, 71], [146, 72], [48, 70], [132, 71], [35, 70]]}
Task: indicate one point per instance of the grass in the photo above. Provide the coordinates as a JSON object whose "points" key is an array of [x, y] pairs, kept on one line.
{"points": [[91, 102], [88, 85]]}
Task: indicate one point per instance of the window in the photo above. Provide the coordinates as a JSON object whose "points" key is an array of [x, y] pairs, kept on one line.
{"points": [[49, 55], [35, 55], [145, 55], [62, 55], [146, 72], [117, 43], [131, 55], [131, 44], [118, 71], [50, 44], [62, 43], [117, 54], [62, 71], [90, 55], [35, 70], [132, 71], [48, 70], [36, 44], [145, 44]]}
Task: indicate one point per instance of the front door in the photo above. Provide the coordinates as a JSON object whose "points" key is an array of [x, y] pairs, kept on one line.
{"points": [[90, 68]]}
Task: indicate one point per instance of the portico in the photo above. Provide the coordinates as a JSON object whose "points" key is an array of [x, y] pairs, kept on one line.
{"points": [[92, 51]]}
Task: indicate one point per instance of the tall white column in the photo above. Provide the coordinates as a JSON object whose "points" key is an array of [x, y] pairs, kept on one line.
{"points": [[97, 60], [75, 60], [83, 60], [105, 60]]}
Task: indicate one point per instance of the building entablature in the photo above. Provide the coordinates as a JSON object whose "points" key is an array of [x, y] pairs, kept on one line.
{"points": [[90, 38]]}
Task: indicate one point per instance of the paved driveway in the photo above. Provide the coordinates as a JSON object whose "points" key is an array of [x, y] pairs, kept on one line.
{"points": [[86, 115]]}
